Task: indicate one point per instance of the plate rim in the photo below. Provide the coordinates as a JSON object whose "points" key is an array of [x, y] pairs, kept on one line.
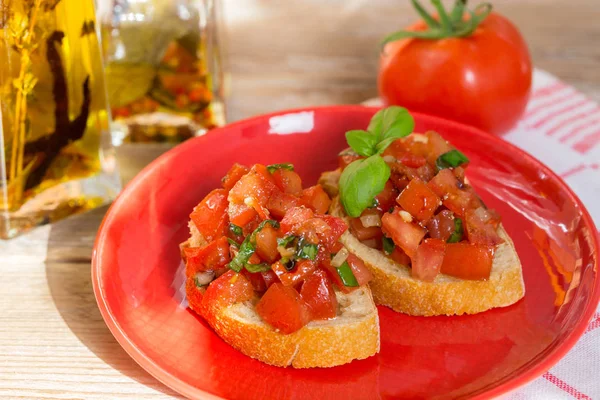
{"points": [[188, 390]]}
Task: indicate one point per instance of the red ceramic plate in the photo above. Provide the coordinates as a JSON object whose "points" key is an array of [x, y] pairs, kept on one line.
{"points": [[137, 277]]}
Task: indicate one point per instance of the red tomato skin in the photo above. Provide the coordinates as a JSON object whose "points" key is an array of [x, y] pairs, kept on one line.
{"points": [[256, 280], [481, 232], [270, 278], [295, 216], [387, 198], [362, 233], [428, 259], [441, 226], [407, 235], [279, 203], [399, 256], [210, 215], [287, 181], [468, 261], [234, 175], [319, 296], [256, 187], [282, 307], [316, 198], [241, 214], [419, 200], [209, 257], [359, 269], [301, 271], [266, 244], [228, 289], [338, 227], [483, 80]]}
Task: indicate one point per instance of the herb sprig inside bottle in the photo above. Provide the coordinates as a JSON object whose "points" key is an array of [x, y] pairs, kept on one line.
{"points": [[364, 179]]}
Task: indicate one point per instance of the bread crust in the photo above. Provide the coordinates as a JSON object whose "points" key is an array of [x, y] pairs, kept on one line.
{"points": [[394, 287], [319, 344]]}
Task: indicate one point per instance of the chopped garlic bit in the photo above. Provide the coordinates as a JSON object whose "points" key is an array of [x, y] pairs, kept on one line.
{"points": [[406, 217]]}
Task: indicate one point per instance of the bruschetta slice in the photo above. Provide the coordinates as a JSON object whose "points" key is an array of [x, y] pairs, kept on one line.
{"points": [[260, 270]]}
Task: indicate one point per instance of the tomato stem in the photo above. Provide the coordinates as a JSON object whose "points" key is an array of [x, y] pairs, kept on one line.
{"points": [[449, 25]]}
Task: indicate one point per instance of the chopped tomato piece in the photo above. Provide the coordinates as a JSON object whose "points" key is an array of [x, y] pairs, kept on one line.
{"points": [[443, 183], [254, 188], [295, 216], [425, 172], [468, 261], [256, 279], [338, 227], [412, 160], [282, 307], [316, 198], [387, 198], [212, 256], [337, 246], [269, 277], [404, 234], [398, 255], [359, 269], [441, 226], [428, 259], [228, 289], [346, 158], [234, 175], [446, 186], [419, 200], [266, 244], [241, 214], [210, 215], [416, 146], [301, 270], [481, 227], [436, 146], [319, 296], [287, 181], [279, 203], [400, 182], [362, 233]]}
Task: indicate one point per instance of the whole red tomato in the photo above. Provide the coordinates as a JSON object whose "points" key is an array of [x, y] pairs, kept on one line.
{"points": [[483, 79]]}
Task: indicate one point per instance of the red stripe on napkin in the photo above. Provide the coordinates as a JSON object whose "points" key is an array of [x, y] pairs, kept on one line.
{"points": [[564, 386]]}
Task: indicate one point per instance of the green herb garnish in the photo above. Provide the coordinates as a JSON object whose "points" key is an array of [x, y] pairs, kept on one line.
{"points": [[451, 159], [457, 235], [233, 242], [264, 267], [306, 250], [236, 230], [273, 167], [388, 245], [248, 247], [345, 272], [364, 179], [284, 242]]}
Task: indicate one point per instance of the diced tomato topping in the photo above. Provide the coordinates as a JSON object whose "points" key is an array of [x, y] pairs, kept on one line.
{"points": [[399, 256], [481, 227], [412, 160], [387, 198], [241, 214], [266, 244], [404, 234], [269, 277], [209, 257], [254, 188], [428, 259], [419, 200], [210, 215], [446, 186], [287, 181], [362, 233], [256, 279], [441, 226], [234, 175], [279, 203], [443, 183], [316, 198], [301, 270], [337, 246], [468, 261], [345, 159], [436, 146], [359, 269], [318, 294], [228, 289], [282, 307], [295, 216], [338, 227], [400, 182], [425, 172], [416, 146]]}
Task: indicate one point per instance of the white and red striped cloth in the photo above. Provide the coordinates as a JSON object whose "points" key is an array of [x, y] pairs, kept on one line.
{"points": [[561, 128]]}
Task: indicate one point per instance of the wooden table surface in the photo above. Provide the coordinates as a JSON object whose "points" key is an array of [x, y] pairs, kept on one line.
{"points": [[53, 341]]}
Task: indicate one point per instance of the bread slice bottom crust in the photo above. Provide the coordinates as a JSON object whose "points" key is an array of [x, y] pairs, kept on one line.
{"points": [[394, 287], [353, 334]]}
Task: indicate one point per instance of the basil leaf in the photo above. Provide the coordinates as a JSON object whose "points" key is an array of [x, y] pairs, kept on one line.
{"points": [[345, 272], [403, 126], [451, 159], [248, 248], [284, 242], [306, 250], [264, 267], [362, 142], [273, 167], [233, 242], [388, 245], [360, 182], [236, 230], [391, 122], [458, 233]]}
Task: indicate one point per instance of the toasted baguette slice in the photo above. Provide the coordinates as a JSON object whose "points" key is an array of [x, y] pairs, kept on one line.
{"points": [[393, 285], [352, 335]]}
